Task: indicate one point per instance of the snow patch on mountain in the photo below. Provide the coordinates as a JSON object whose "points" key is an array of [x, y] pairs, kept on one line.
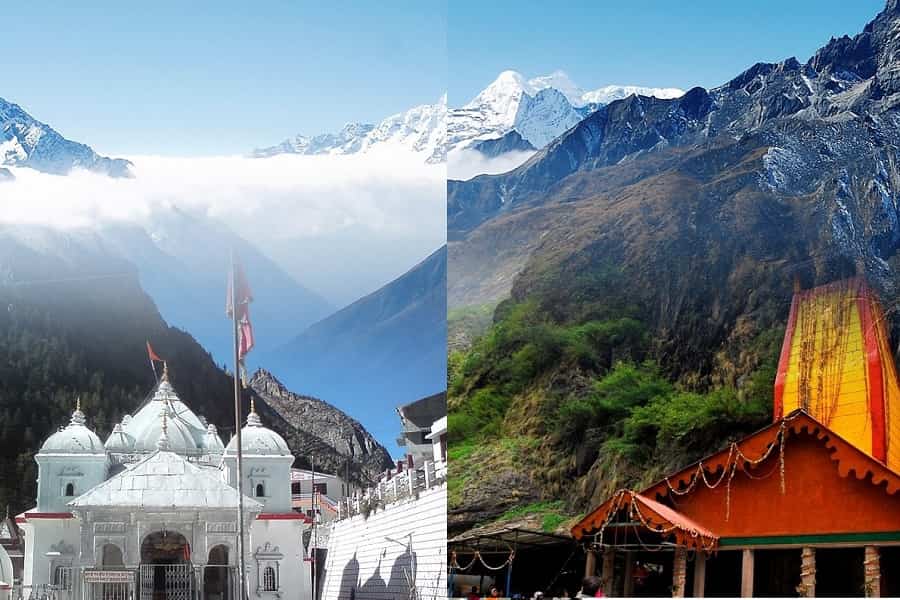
{"points": [[421, 130]]}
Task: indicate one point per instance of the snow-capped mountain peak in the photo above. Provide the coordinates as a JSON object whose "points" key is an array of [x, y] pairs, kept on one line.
{"points": [[421, 129], [539, 109], [610, 93], [559, 80], [26, 142]]}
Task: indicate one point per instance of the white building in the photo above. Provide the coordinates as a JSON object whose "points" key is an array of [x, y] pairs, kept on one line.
{"points": [[152, 513], [390, 541], [321, 502]]}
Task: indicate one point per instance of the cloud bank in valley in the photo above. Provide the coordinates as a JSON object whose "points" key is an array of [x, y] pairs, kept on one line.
{"points": [[466, 163], [341, 210]]}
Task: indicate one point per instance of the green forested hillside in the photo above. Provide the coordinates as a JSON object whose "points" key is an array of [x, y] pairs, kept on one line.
{"points": [[564, 400]]}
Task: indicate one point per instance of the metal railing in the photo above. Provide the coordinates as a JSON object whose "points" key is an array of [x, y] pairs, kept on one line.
{"points": [[151, 582], [396, 487]]}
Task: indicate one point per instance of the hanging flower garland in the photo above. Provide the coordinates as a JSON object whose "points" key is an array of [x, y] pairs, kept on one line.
{"points": [[478, 557], [735, 458]]}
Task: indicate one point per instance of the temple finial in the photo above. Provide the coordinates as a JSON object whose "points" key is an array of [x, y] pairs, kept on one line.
{"points": [[253, 419], [77, 415]]}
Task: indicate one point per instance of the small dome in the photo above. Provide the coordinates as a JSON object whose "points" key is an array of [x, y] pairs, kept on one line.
{"points": [[75, 438], [212, 442], [258, 440], [119, 441]]}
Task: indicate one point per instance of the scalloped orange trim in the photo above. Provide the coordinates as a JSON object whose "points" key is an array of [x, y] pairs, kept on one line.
{"points": [[847, 457]]}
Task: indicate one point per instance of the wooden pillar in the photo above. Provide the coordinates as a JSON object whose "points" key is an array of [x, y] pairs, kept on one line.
{"points": [[700, 575], [590, 564], [872, 570], [628, 592], [747, 574], [679, 573], [609, 565], [807, 587]]}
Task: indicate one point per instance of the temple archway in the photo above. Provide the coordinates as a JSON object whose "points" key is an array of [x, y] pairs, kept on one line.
{"points": [[166, 571], [217, 575], [111, 556], [165, 548]]}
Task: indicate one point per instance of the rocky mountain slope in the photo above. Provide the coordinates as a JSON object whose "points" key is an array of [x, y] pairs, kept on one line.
{"points": [[75, 322], [668, 231], [26, 142], [390, 345], [333, 437], [421, 130]]}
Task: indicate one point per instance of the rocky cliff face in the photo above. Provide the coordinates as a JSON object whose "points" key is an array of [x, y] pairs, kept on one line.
{"points": [[336, 440]]}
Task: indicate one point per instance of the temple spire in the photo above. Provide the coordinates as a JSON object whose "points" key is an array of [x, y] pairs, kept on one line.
{"points": [[77, 415], [163, 442], [253, 419]]}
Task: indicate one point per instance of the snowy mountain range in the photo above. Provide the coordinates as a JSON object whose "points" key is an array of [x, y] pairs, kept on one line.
{"points": [[421, 129], [539, 109], [26, 142]]}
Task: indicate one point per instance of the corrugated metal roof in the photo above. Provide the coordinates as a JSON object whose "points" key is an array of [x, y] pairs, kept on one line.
{"points": [[164, 480]]}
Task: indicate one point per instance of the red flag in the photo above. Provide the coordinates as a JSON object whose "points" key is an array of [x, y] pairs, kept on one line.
{"points": [[152, 354], [243, 296], [154, 358]]}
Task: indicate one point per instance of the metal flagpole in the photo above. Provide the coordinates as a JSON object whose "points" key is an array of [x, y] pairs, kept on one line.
{"points": [[315, 556], [242, 574]]}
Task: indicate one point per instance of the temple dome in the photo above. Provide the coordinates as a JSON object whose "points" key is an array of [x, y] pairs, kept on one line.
{"points": [[186, 431], [75, 438], [258, 440], [180, 437], [119, 441]]}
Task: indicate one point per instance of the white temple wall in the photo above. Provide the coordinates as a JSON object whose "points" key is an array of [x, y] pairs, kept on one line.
{"points": [[48, 535], [378, 556], [278, 543], [56, 471], [273, 473]]}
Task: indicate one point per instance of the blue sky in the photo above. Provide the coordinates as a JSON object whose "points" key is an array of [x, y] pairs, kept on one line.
{"points": [[663, 44], [201, 78]]}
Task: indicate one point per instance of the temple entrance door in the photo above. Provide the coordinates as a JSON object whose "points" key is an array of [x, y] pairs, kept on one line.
{"points": [[217, 575], [166, 570]]}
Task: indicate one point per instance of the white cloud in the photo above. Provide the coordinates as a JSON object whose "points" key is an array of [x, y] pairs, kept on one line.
{"points": [[358, 201], [467, 163]]}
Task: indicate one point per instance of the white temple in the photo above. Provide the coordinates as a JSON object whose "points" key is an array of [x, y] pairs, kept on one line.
{"points": [[153, 512]]}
